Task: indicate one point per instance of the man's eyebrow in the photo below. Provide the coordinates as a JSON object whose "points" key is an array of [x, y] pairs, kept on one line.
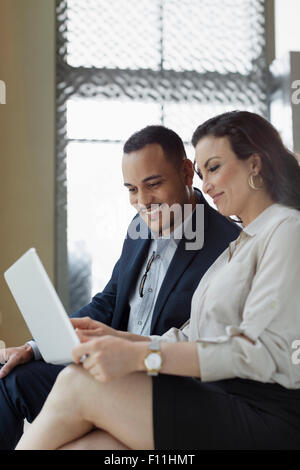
{"points": [[152, 177], [145, 180]]}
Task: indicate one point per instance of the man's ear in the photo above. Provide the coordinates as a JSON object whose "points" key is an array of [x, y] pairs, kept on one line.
{"points": [[188, 169]]}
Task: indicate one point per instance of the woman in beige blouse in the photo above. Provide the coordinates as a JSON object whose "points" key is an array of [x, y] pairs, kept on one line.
{"points": [[227, 378]]}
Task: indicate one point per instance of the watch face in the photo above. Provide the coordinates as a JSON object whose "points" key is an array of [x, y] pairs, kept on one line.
{"points": [[153, 361]]}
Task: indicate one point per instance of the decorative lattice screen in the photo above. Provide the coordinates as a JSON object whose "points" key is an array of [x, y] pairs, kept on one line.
{"points": [[124, 64]]}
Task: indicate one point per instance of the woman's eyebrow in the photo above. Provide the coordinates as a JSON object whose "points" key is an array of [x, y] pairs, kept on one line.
{"points": [[211, 158]]}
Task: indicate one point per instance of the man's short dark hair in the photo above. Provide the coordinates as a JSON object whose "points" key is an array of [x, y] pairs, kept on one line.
{"points": [[170, 142]]}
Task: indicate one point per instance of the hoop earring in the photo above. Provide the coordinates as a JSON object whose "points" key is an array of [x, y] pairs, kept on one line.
{"points": [[252, 184]]}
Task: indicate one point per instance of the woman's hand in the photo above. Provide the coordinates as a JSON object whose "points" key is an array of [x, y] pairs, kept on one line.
{"points": [[90, 327], [109, 357]]}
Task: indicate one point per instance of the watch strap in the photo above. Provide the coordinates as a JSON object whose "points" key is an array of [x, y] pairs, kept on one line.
{"points": [[155, 344]]}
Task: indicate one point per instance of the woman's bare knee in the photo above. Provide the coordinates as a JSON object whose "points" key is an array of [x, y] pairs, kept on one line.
{"points": [[107, 405], [95, 440], [71, 376], [68, 387]]}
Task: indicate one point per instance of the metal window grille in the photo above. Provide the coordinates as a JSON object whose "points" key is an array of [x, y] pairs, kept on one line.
{"points": [[124, 64]]}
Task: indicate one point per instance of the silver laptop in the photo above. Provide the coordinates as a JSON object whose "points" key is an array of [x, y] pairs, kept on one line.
{"points": [[41, 308]]}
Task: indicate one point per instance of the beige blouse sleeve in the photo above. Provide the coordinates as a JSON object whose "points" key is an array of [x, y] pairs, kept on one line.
{"points": [[175, 335], [270, 312]]}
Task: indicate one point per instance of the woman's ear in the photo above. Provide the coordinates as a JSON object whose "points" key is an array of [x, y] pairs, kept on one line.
{"points": [[255, 163]]}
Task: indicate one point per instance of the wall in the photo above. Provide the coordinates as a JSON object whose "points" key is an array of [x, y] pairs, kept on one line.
{"points": [[295, 74], [27, 145]]}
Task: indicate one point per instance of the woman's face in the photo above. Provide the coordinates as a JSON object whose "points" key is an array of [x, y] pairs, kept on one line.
{"points": [[225, 177]]}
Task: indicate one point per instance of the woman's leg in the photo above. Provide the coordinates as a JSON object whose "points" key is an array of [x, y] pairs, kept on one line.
{"points": [[95, 440], [78, 403]]}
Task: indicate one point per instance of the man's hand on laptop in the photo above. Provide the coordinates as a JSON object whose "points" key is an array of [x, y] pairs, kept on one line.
{"points": [[12, 357], [88, 327]]}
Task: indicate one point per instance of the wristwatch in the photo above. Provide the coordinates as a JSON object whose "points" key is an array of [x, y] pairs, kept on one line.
{"points": [[153, 360]]}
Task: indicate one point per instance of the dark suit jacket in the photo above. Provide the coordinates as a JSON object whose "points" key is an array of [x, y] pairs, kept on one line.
{"points": [[187, 267]]}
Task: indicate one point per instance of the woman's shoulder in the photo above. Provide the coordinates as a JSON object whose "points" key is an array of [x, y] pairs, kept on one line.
{"points": [[286, 212], [286, 216], [283, 227], [279, 215]]}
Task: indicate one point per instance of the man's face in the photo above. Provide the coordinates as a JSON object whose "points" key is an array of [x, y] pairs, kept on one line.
{"points": [[155, 184]]}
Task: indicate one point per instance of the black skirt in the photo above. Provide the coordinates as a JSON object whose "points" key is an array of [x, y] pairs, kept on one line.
{"points": [[230, 414]]}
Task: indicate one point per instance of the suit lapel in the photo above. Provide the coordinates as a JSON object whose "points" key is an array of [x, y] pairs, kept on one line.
{"points": [[136, 262], [179, 264], [128, 281]]}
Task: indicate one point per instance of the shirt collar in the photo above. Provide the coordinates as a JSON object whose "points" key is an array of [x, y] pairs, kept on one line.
{"points": [[179, 231], [261, 220], [177, 234]]}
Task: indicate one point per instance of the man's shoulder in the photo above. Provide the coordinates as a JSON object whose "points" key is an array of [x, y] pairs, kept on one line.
{"points": [[138, 229]]}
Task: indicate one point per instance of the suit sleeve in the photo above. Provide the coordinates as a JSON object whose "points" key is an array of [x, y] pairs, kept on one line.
{"points": [[102, 306]]}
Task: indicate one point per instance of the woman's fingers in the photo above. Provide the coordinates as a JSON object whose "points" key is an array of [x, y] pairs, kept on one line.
{"points": [[82, 349]]}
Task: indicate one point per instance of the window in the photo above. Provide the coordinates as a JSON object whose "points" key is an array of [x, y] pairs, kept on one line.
{"points": [[123, 65], [284, 114], [287, 35]]}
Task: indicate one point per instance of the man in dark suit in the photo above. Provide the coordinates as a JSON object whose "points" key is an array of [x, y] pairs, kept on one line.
{"points": [[165, 254]]}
